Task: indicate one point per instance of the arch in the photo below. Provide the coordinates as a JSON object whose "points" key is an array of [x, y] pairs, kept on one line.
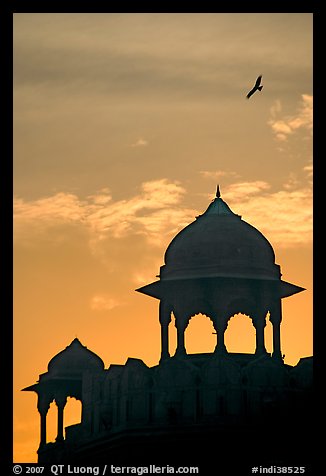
{"points": [[52, 422], [172, 335], [73, 412], [240, 335], [199, 334], [63, 411], [72, 415], [269, 334]]}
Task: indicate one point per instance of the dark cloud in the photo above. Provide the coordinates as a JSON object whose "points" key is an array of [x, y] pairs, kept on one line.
{"points": [[202, 55]]}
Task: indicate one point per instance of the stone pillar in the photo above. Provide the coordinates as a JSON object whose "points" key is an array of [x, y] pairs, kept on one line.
{"points": [[181, 325], [61, 403], [259, 323], [43, 427], [276, 319], [220, 325], [165, 319], [43, 408]]}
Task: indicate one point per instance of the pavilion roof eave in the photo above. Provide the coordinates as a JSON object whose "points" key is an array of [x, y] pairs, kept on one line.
{"points": [[31, 388], [160, 289], [288, 289]]}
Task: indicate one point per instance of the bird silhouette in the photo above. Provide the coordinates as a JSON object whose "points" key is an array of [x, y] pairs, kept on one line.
{"points": [[256, 87]]}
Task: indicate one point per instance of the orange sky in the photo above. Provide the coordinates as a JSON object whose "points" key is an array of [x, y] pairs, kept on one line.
{"points": [[123, 126]]}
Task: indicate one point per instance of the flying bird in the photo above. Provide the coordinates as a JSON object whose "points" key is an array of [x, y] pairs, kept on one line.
{"points": [[256, 87]]}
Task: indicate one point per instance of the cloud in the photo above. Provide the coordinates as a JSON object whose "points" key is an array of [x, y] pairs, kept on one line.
{"points": [[309, 170], [283, 216], [246, 189], [276, 108], [102, 197], [289, 124], [157, 213], [161, 53], [292, 182], [217, 174], [60, 207], [140, 143], [35, 218], [153, 213], [103, 302]]}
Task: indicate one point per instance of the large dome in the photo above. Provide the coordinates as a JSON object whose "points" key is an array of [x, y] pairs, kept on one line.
{"points": [[74, 360], [219, 244]]}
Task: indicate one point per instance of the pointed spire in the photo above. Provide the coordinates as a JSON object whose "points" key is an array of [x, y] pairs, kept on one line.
{"points": [[76, 341], [218, 206]]}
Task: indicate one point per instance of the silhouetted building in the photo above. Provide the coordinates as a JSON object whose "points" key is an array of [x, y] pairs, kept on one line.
{"points": [[219, 266]]}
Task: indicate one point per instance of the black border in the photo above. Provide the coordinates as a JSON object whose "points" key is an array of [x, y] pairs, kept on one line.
{"points": [[6, 174]]}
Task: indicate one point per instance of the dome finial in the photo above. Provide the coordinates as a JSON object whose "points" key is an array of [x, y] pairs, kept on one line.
{"points": [[218, 193]]}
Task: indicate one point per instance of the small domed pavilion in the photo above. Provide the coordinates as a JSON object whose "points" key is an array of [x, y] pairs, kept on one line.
{"points": [[64, 379]]}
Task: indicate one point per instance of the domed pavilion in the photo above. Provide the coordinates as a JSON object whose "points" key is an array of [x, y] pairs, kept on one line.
{"points": [[220, 265], [64, 379]]}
